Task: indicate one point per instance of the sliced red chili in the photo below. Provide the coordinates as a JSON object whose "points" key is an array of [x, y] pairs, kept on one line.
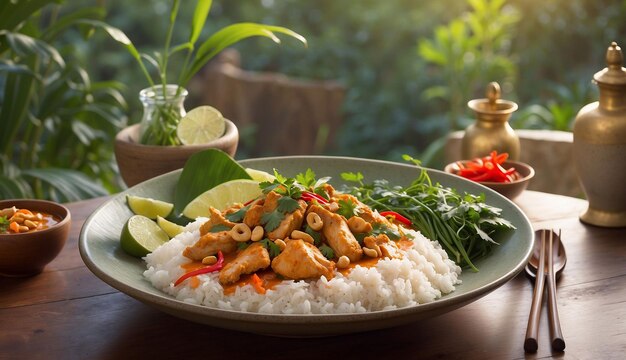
{"points": [[397, 216], [308, 196], [215, 267]]}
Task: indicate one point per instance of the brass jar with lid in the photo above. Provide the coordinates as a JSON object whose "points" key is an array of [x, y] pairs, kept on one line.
{"points": [[600, 146], [491, 131]]}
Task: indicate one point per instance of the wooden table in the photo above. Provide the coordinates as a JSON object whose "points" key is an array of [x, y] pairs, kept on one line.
{"points": [[67, 312]]}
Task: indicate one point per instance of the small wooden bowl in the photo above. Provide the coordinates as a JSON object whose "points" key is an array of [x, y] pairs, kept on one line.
{"points": [[511, 189], [138, 162], [27, 254]]}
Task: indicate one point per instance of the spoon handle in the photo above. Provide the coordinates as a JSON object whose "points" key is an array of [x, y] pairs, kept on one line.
{"points": [[530, 343], [556, 336]]}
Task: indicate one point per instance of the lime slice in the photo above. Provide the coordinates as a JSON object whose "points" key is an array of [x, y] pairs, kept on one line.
{"points": [[170, 228], [149, 207], [200, 126], [141, 236], [259, 175], [222, 196]]}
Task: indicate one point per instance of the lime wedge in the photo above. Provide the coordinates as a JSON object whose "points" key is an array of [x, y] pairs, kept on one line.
{"points": [[259, 175], [149, 207], [222, 196], [141, 236], [200, 126], [170, 228]]}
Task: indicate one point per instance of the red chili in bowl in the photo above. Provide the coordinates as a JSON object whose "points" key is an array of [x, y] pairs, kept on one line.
{"points": [[488, 168]]}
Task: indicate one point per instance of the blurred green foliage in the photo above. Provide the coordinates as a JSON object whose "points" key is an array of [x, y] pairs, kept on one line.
{"points": [[56, 124], [410, 67]]}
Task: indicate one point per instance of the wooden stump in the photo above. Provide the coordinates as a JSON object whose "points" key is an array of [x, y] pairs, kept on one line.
{"points": [[288, 116]]}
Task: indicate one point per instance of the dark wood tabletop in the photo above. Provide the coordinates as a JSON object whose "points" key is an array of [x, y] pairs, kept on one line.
{"points": [[67, 312]]}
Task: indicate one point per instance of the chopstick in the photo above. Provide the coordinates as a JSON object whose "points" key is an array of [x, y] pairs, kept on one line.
{"points": [[556, 336], [530, 343]]}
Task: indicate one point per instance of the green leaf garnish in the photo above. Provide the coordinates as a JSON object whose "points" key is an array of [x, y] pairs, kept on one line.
{"points": [[271, 248], [242, 245], [287, 205], [272, 220], [317, 237], [238, 215], [327, 251], [347, 208], [4, 223]]}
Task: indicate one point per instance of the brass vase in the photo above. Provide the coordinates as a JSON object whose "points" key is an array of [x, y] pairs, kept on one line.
{"points": [[600, 146], [491, 131]]}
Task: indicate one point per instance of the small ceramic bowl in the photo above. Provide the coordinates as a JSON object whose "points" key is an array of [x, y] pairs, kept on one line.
{"points": [[511, 189], [138, 162], [26, 254]]}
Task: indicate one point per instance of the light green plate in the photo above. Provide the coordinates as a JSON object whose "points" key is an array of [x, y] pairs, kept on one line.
{"points": [[100, 250]]}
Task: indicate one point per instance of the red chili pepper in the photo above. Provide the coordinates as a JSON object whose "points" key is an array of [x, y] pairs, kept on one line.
{"points": [[215, 267], [487, 168], [308, 196], [397, 216]]}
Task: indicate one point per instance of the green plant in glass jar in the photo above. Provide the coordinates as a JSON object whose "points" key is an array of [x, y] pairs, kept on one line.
{"points": [[163, 101]]}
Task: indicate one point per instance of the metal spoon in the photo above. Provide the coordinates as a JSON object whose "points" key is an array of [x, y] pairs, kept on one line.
{"points": [[559, 257], [553, 266]]}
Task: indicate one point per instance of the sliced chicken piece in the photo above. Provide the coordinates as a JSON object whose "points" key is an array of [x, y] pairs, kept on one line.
{"points": [[216, 218], [292, 221], [301, 260], [253, 216], [383, 246], [254, 257], [210, 244], [338, 235]]}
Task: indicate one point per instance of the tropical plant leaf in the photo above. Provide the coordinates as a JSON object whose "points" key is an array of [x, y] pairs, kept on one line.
{"points": [[199, 18], [230, 35], [73, 18], [65, 185], [9, 66], [203, 171], [11, 188], [15, 12], [24, 45]]}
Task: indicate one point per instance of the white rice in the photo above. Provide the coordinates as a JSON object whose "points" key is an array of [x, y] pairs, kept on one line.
{"points": [[424, 274]]}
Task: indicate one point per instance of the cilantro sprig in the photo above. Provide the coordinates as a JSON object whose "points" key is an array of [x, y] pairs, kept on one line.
{"points": [[271, 248], [4, 223]]}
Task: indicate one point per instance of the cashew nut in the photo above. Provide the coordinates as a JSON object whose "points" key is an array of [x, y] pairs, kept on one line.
{"points": [[257, 233], [359, 225], [314, 221], [241, 232], [343, 262], [209, 260], [281, 244], [301, 235], [370, 252]]}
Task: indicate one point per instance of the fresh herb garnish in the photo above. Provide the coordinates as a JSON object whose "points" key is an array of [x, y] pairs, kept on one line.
{"points": [[4, 223], [327, 251], [238, 215], [271, 248], [347, 208], [272, 220], [317, 237], [242, 245], [378, 228], [463, 224]]}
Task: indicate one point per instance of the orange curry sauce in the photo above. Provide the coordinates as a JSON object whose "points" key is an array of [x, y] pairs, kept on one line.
{"points": [[17, 223], [269, 278]]}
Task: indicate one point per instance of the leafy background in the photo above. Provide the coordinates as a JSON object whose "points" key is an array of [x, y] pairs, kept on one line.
{"points": [[409, 68]]}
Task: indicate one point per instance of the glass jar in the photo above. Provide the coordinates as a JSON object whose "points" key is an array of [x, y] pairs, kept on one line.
{"points": [[162, 110]]}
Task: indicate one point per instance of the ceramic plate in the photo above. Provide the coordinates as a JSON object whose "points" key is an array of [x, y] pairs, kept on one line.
{"points": [[100, 250]]}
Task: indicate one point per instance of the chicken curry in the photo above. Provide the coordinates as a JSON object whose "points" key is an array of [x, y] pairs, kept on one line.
{"points": [[285, 236]]}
